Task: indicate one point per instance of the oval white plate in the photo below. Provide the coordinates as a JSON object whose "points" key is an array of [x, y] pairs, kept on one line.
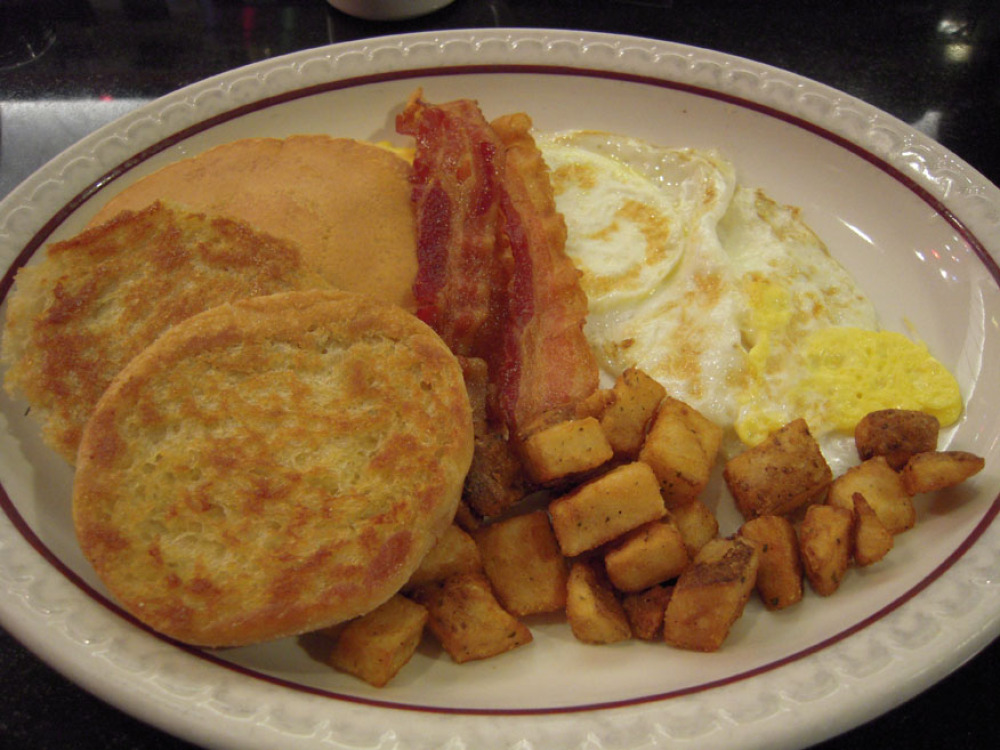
{"points": [[914, 224]]}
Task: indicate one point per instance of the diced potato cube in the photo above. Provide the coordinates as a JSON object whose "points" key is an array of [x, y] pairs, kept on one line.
{"points": [[681, 447], [594, 613], [872, 540], [710, 595], [882, 487], [467, 519], [377, 645], [651, 554], [625, 419], [550, 418], [938, 470], [496, 480], [523, 562], [467, 619], [896, 434], [645, 611], [565, 449], [477, 384], [455, 552], [780, 474], [595, 404], [714, 550], [696, 523], [825, 542], [606, 507], [779, 578]]}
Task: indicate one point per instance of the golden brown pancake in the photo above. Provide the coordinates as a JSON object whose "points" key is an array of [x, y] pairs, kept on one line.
{"points": [[346, 203], [273, 466], [96, 300]]}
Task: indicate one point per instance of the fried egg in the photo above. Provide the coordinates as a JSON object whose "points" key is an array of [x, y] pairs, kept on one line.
{"points": [[727, 297], [679, 316]]}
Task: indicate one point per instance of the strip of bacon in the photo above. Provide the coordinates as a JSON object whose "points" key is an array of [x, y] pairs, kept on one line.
{"points": [[547, 363], [493, 276], [461, 281]]}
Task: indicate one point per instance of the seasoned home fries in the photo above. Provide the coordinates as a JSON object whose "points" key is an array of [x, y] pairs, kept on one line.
{"points": [[443, 390]]}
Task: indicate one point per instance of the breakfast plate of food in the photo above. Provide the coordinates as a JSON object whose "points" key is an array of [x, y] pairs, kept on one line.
{"points": [[502, 388]]}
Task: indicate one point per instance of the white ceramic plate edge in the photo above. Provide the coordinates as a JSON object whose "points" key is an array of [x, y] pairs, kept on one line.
{"points": [[802, 702]]}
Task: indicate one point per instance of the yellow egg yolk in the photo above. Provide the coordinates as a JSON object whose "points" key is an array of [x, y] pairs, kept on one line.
{"points": [[861, 371], [769, 317], [403, 152], [845, 373]]}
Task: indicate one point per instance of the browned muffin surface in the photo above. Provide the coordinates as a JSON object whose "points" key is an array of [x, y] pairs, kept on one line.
{"points": [[273, 466], [96, 300]]}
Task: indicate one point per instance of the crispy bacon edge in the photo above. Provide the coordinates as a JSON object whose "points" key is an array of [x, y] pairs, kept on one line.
{"points": [[547, 362], [495, 282], [460, 286]]}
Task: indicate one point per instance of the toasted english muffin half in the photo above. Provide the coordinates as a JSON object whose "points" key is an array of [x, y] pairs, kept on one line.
{"points": [[273, 466], [345, 202], [78, 316]]}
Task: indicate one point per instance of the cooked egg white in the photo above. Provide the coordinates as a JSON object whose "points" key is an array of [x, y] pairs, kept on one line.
{"points": [[626, 242], [727, 297], [791, 288], [679, 318]]}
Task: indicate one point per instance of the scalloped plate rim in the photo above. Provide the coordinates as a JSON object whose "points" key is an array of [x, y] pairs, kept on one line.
{"points": [[152, 702]]}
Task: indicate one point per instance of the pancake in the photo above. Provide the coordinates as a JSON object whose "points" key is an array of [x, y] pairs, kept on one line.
{"points": [[346, 203], [273, 466], [96, 300]]}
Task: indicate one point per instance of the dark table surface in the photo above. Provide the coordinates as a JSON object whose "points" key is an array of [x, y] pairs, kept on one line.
{"points": [[933, 64]]}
